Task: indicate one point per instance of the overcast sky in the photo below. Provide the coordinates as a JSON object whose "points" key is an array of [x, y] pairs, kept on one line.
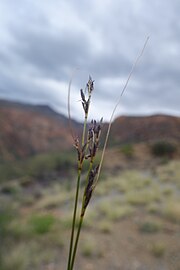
{"points": [[43, 41]]}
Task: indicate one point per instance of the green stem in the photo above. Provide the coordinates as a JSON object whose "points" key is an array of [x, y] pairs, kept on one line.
{"points": [[74, 219], [76, 199], [70, 265], [80, 221], [76, 243]]}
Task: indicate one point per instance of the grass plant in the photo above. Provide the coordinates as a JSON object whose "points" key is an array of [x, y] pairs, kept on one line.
{"points": [[127, 150], [158, 249], [150, 227], [172, 211], [87, 146], [42, 224], [105, 226]]}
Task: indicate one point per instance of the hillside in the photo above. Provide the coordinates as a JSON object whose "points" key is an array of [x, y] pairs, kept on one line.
{"points": [[145, 128], [26, 130], [133, 218]]}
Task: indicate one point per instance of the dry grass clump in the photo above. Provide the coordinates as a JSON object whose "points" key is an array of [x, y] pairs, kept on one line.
{"points": [[17, 258], [89, 247], [51, 200], [114, 213], [158, 249], [105, 226], [171, 211], [126, 181], [150, 226], [169, 173], [143, 197], [154, 208]]}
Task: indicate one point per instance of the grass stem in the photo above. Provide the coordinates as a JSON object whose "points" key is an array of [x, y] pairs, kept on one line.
{"points": [[74, 219], [76, 242], [84, 129]]}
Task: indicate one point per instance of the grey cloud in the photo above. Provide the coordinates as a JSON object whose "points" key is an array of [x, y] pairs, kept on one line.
{"points": [[25, 91], [51, 53], [106, 46]]}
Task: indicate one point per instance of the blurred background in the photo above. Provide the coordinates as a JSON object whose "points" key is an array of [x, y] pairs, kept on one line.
{"points": [[133, 221]]}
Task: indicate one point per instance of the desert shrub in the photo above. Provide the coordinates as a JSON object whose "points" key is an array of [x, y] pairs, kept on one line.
{"points": [[158, 249], [42, 224], [115, 213], [127, 150], [6, 216], [43, 165], [149, 227], [65, 160], [11, 170], [15, 258], [172, 211], [89, 248], [9, 189], [163, 149], [105, 226], [143, 197], [153, 208]]}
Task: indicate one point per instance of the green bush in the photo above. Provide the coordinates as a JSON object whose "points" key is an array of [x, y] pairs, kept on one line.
{"points": [[42, 224], [158, 249], [150, 227], [11, 170], [42, 165], [39, 166], [127, 150], [6, 216], [163, 149]]}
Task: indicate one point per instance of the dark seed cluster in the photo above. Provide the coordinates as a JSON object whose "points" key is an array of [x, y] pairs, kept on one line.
{"points": [[87, 148], [94, 133], [89, 188], [86, 102]]}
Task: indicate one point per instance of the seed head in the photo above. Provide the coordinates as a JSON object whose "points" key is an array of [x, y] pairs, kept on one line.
{"points": [[85, 103], [90, 85], [94, 132], [89, 188]]}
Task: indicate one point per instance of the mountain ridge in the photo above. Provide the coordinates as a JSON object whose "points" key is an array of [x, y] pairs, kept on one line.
{"points": [[27, 130]]}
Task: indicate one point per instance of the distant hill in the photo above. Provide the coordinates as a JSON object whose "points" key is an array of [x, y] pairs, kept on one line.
{"points": [[44, 110], [26, 130], [134, 129]]}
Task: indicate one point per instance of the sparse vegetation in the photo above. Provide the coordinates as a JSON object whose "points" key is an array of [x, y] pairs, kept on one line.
{"points": [[114, 213], [143, 197], [39, 167], [118, 199]]}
